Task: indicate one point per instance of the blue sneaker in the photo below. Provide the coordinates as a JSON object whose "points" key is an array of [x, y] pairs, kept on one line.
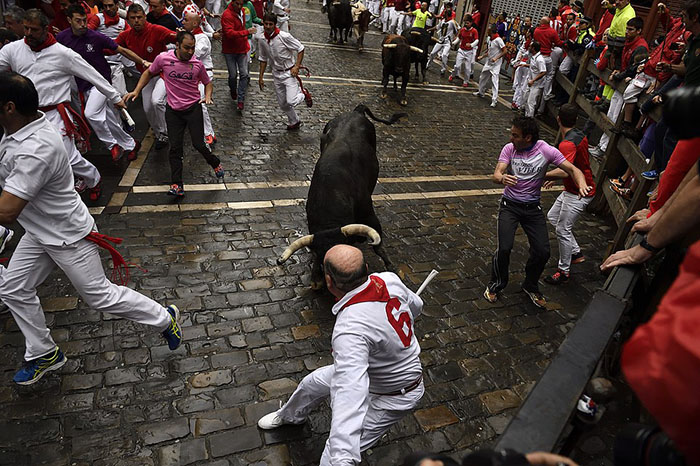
{"points": [[5, 238], [650, 175], [173, 334], [35, 369]]}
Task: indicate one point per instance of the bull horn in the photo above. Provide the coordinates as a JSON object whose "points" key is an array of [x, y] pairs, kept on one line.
{"points": [[363, 230], [416, 33], [390, 46], [434, 39], [294, 247], [416, 49]]}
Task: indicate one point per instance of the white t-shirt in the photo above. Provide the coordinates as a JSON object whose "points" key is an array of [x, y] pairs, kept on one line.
{"points": [[52, 70], [34, 167], [280, 53], [375, 350], [537, 66], [495, 46]]}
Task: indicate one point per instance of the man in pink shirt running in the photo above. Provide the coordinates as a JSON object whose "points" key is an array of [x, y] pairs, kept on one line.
{"points": [[182, 73]]}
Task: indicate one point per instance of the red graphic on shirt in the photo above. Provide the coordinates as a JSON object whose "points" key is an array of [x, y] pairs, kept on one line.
{"points": [[376, 292], [403, 322]]}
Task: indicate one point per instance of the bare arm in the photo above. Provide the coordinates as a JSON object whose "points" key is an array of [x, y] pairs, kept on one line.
{"points": [[132, 56], [680, 218], [500, 176], [261, 83], [208, 90], [297, 65], [10, 207], [145, 77], [577, 175]]}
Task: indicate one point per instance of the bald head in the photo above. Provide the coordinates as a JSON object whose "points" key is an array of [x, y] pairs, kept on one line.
{"points": [[191, 21], [544, 21], [345, 268]]}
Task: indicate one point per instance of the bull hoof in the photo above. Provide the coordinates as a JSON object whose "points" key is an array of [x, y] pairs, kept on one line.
{"points": [[317, 285], [383, 95], [404, 102], [425, 83]]}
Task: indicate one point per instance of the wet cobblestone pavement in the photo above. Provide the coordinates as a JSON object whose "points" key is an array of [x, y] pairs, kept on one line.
{"points": [[252, 328]]}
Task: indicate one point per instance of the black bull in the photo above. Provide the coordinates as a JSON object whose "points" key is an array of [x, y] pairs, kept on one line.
{"points": [[419, 39], [397, 56], [339, 206], [339, 19]]}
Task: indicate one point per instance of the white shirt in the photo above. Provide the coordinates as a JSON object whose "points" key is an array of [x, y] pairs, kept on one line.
{"points": [[202, 50], [374, 350], [112, 32], [52, 71], [281, 52], [495, 46], [537, 66], [34, 167], [279, 8], [450, 29]]}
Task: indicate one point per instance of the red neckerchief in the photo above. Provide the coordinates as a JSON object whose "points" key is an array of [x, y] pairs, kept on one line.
{"points": [[197, 30], [272, 36], [493, 36], [110, 20], [50, 40]]}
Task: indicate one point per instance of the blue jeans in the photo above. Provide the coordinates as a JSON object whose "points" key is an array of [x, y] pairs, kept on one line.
{"points": [[237, 64]]}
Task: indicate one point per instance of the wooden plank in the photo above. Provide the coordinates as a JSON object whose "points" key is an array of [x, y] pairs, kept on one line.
{"points": [[553, 399], [632, 155], [599, 118], [618, 206], [564, 83]]}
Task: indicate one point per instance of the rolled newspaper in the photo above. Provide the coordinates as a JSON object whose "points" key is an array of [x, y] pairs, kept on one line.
{"points": [[127, 117], [433, 273]]}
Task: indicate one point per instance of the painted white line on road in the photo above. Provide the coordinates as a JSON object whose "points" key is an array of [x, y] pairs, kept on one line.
{"points": [[274, 203], [301, 183]]}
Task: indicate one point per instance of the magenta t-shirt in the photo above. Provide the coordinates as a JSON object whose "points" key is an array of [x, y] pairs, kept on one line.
{"points": [[529, 166], [181, 78]]}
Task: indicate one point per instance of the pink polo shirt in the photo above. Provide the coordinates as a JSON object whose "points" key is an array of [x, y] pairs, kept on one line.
{"points": [[181, 79]]}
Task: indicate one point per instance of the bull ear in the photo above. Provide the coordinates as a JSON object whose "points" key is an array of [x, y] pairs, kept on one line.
{"points": [[390, 46]]}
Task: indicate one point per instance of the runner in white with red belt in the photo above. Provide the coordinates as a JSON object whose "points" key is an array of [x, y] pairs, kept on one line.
{"points": [[376, 377], [284, 54], [37, 191], [52, 67]]}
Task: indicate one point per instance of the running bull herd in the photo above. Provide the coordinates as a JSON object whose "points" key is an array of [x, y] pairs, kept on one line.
{"points": [[398, 51], [339, 207]]}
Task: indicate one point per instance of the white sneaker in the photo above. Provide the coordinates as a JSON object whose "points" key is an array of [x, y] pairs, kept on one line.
{"points": [[6, 237], [595, 152], [493, 105], [476, 93], [271, 421]]}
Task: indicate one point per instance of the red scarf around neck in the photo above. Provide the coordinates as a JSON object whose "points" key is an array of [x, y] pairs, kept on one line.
{"points": [[50, 40], [110, 20], [197, 30], [272, 36]]}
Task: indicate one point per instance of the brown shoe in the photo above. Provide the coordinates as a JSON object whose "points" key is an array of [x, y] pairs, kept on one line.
{"points": [[537, 298], [489, 296]]}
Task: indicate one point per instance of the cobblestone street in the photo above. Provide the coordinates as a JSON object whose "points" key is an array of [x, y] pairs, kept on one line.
{"points": [[254, 329]]}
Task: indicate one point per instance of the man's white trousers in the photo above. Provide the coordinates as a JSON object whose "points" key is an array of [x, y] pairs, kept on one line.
{"points": [[489, 73], [520, 85], [79, 164], [154, 99], [562, 216], [316, 387], [208, 128], [616, 103], [288, 92], [463, 64], [442, 51], [103, 119], [32, 262], [533, 96]]}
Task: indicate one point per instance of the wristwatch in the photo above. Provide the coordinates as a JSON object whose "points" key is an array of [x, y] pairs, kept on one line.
{"points": [[648, 246]]}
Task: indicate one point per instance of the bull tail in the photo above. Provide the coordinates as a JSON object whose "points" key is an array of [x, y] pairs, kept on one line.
{"points": [[366, 111]]}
